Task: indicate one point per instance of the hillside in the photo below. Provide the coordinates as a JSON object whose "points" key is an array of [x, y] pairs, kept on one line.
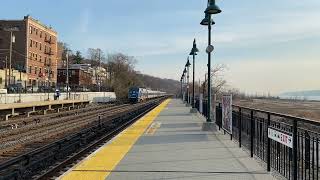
{"points": [[155, 83]]}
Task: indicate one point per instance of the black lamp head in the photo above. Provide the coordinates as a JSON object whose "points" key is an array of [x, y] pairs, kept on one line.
{"points": [[206, 20], [212, 8], [188, 63]]}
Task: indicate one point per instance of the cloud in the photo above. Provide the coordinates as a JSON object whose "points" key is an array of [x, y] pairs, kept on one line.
{"points": [[275, 27]]}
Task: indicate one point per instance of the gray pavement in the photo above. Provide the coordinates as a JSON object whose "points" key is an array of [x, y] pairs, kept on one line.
{"points": [[180, 150]]}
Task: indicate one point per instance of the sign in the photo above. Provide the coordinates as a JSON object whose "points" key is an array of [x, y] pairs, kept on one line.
{"points": [[209, 49], [280, 137], [227, 113]]}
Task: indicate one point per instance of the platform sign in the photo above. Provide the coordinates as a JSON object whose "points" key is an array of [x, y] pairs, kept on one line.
{"points": [[280, 137], [227, 113], [200, 103]]}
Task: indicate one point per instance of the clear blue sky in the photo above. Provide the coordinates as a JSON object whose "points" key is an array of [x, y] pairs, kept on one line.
{"points": [[268, 46]]}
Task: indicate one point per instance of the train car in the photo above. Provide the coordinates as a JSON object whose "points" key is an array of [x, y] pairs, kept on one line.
{"points": [[137, 94]]}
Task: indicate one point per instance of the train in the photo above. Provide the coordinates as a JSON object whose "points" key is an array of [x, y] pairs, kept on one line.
{"points": [[139, 94]]}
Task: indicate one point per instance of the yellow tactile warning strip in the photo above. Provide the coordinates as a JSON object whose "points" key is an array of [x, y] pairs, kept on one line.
{"points": [[100, 164]]}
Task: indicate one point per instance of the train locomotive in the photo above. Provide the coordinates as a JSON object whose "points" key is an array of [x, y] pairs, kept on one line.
{"points": [[138, 94]]}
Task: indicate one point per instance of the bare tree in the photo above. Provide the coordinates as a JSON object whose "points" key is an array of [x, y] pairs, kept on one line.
{"points": [[218, 82], [218, 79], [123, 76], [96, 56]]}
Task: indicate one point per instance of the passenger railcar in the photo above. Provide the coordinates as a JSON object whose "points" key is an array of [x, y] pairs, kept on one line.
{"points": [[137, 94]]}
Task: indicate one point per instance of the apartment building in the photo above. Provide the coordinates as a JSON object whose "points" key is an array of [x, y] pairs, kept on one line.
{"points": [[34, 50]]}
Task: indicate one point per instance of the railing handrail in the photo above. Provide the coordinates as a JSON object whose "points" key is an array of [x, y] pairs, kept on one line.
{"points": [[301, 119]]}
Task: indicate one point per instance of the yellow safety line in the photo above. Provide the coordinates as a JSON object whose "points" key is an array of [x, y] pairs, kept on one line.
{"points": [[100, 164]]}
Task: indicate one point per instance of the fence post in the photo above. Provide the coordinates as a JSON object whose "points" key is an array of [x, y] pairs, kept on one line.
{"points": [[251, 133], [268, 145], [239, 126], [295, 150]]}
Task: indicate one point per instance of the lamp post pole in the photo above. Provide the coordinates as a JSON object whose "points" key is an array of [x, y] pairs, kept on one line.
{"points": [[209, 72], [187, 66], [212, 8], [193, 52], [193, 76]]}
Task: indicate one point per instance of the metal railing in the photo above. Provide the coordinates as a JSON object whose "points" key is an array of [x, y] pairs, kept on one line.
{"points": [[250, 130]]}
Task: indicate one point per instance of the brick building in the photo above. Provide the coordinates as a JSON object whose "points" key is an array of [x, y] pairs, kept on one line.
{"points": [[79, 76], [34, 50]]}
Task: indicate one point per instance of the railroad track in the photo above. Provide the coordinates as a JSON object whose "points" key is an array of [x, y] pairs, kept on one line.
{"points": [[24, 121], [64, 139], [18, 141]]}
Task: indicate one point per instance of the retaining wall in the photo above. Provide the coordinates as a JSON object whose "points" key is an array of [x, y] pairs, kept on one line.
{"points": [[34, 97]]}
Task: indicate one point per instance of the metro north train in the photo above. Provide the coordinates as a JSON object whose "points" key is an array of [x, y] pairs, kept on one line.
{"points": [[138, 94]]}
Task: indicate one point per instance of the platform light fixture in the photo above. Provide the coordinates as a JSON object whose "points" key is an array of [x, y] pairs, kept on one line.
{"points": [[212, 8], [193, 52], [187, 66]]}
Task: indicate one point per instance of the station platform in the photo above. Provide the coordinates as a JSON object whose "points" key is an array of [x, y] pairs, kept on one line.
{"points": [[13, 109], [168, 143]]}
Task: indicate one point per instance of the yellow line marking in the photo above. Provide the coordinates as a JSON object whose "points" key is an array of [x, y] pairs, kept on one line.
{"points": [[153, 128], [100, 164]]}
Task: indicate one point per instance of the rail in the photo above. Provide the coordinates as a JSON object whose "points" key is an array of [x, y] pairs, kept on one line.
{"points": [[250, 129]]}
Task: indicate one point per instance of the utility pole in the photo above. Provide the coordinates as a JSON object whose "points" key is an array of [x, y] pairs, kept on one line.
{"points": [[10, 57], [67, 54], [5, 77], [98, 75]]}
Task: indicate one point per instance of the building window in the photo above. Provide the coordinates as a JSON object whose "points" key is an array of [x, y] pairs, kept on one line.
{"points": [[40, 34], [40, 46], [36, 31], [40, 58], [30, 55], [30, 29], [36, 57], [64, 72], [30, 43], [35, 70], [40, 70], [36, 44], [30, 69]]}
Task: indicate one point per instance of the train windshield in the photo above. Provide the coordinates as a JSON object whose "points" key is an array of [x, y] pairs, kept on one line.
{"points": [[133, 90]]}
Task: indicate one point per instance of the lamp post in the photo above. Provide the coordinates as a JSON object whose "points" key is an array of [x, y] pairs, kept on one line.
{"points": [[193, 52], [185, 82], [212, 8], [188, 70]]}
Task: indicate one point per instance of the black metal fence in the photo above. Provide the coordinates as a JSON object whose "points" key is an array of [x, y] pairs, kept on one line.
{"points": [[250, 130]]}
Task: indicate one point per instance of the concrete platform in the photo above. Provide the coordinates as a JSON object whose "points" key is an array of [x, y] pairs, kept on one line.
{"points": [[13, 109], [168, 143]]}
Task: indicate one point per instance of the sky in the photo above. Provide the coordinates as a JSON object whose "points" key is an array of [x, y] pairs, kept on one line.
{"points": [[267, 46]]}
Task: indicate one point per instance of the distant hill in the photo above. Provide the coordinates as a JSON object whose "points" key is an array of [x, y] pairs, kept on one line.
{"points": [[302, 93], [155, 83]]}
